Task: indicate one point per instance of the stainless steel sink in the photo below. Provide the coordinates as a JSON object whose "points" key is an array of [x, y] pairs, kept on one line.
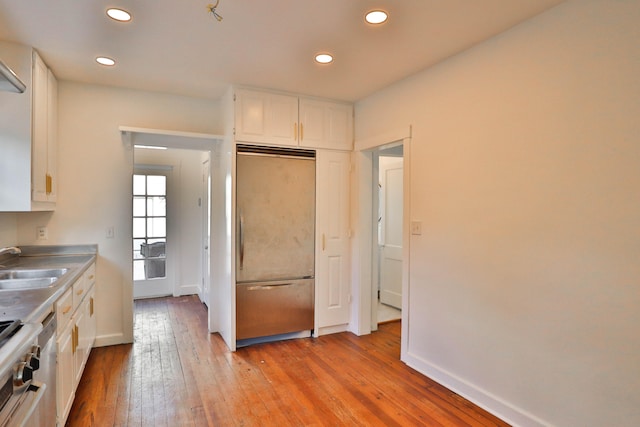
{"points": [[38, 273], [39, 278], [22, 284]]}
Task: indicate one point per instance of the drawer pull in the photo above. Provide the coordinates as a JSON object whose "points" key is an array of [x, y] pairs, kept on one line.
{"points": [[66, 309], [79, 291], [91, 277]]}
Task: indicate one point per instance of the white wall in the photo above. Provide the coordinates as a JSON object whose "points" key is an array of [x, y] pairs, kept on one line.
{"points": [[187, 174], [95, 169], [525, 290]]}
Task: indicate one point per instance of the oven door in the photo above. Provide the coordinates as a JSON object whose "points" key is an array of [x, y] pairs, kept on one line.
{"points": [[23, 408]]}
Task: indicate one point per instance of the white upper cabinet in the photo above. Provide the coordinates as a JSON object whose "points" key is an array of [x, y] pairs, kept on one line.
{"points": [[325, 124], [44, 137], [279, 119], [28, 134], [266, 118]]}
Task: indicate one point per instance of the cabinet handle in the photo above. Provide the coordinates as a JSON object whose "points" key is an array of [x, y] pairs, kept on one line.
{"points": [[241, 241], [79, 292], [73, 340], [91, 277], [323, 242], [91, 306], [301, 132], [66, 309], [295, 131], [49, 184]]}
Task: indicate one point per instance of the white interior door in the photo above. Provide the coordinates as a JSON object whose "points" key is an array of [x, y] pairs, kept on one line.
{"points": [[152, 260], [390, 235]]}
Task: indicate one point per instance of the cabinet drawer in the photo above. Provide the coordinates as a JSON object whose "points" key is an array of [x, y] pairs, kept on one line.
{"points": [[90, 275], [79, 291], [64, 309]]}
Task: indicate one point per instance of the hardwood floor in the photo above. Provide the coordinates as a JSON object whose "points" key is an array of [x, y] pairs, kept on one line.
{"points": [[177, 374]]}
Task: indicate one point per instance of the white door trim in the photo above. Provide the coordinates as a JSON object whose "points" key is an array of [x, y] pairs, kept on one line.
{"points": [[364, 244]]}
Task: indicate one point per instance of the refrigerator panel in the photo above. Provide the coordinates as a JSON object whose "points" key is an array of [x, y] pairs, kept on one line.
{"points": [[275, 217], [273, 308]]}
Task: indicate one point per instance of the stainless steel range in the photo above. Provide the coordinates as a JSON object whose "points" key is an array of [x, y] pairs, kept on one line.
{"points": [[20, 391]]}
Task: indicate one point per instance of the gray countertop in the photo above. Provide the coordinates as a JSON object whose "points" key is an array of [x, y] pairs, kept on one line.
{"points": [[30, 304]]}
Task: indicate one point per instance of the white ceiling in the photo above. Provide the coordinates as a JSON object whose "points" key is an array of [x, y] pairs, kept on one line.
{"points": [[177, 46]]}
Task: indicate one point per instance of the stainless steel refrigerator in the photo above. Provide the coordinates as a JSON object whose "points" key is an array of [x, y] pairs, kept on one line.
{"points": [[275, 256]]}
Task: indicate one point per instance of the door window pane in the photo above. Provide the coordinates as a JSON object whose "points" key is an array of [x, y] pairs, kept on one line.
{"points": [[156, 185], [139, 227], [156, 227], [156, 206], [139, 184], [139, 206], [149, 226]]}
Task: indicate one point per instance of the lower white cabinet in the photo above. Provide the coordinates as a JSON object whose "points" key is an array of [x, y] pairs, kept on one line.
{"points": [[76, 336], [64, 374], [333, 305]]}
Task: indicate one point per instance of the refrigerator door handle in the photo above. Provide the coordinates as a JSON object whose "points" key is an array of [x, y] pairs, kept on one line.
{"points": [[241, 241], [267, 287]]}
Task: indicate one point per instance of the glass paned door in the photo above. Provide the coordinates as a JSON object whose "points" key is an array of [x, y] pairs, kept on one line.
{"points": [[150, 231]]}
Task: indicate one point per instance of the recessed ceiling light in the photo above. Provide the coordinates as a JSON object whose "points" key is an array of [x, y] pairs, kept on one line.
{"points": [[324, 58], [103, 60], [119, 15], [376, 17]]}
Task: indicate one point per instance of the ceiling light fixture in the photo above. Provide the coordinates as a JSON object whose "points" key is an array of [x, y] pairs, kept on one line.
{"points": [[103, 60], [376, 17], [324, 58], [212, 10], [119, 15]]}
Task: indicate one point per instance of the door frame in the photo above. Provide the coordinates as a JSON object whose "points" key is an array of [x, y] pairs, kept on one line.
{"points": [[364, 245], [209, 143]]}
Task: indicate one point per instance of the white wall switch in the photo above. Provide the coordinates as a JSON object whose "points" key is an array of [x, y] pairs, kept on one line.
{"points": [[111, 232], [42, 233], [416, 228]]}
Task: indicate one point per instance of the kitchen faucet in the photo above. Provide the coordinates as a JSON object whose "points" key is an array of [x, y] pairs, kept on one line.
{"points": [[10, 250]]}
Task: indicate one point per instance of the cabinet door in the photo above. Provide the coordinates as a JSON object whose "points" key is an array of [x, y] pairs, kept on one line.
{"points": [[65, 375], [339, 123], [39, 131], [79, 347], [89, 335], [51, 178], [325, 124], [333, 271], [44, 133], [266, 117]]}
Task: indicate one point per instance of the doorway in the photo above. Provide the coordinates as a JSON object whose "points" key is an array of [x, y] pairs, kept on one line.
{"points": [[152, 269], [387, 256], [175, 263]]}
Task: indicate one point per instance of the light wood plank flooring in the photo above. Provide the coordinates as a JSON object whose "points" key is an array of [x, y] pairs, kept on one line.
{"points": [[177, 374]]}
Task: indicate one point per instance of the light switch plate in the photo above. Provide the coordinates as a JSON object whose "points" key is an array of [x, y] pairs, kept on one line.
{"points": [[416, 228]]}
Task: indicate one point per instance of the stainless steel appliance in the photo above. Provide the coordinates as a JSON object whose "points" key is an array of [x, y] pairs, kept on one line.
{"points": [[20, 393], [47, 372], [275, 256]]}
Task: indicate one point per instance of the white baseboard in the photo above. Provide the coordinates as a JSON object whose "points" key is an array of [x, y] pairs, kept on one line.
{"points": [[112, 339], [333, 329], [188, 290], [487, 401]]}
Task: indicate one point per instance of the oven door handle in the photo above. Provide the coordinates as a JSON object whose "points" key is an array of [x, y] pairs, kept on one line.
{"points": [[29, 405]]}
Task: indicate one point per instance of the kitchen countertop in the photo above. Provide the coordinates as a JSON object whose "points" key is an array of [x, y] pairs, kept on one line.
{"points": [[30, 304]]}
